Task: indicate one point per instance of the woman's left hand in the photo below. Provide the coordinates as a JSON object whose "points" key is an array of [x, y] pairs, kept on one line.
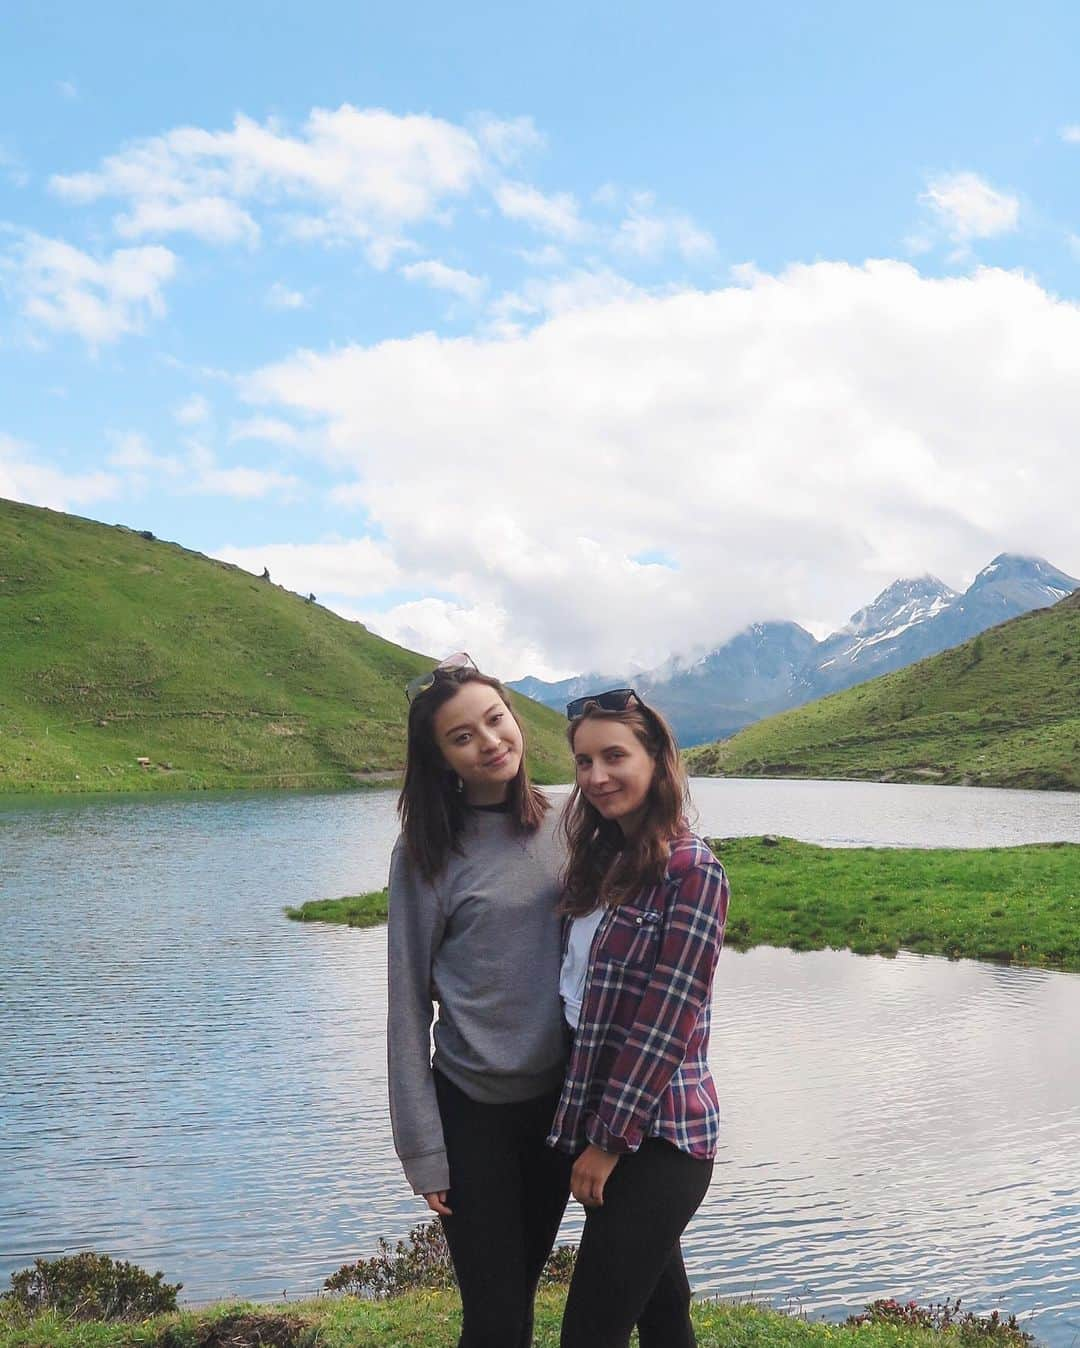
{"points": [[590, 1174]]}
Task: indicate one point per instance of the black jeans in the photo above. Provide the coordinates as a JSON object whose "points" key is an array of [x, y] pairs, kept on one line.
{"points": [[629, 1267], [507, 1192]]}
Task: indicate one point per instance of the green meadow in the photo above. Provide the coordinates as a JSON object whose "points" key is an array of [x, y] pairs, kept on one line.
{"points": [[116, 646], [1020, 905]]}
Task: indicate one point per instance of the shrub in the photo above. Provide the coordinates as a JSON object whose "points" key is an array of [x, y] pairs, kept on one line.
{"points": [[423, 1261], [90, 1286], [968, 1327]]}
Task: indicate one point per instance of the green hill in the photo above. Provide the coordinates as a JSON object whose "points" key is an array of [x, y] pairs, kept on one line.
{"points": [[1001, 710], [116, 646]]}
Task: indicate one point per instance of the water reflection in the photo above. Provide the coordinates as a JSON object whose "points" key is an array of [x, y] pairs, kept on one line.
{"points": [[192, 1082]]}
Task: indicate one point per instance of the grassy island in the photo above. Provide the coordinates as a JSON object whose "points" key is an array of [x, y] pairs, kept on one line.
{"points": [[1019, 905], [432, 1319], [355, 910]]}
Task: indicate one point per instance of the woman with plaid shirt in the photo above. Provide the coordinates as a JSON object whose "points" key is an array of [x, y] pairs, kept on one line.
{"points": [[646, 904]]}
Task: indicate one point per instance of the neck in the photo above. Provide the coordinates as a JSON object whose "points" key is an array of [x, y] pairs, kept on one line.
{"points": [[495, 793], [631, 823]]}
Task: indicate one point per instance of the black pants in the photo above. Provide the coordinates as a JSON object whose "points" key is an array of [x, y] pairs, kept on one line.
{"points": [[629, 1267], [507, 1192]]}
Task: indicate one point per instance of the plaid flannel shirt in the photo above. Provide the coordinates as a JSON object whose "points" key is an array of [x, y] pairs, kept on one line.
{"points": [[638, 1066]]}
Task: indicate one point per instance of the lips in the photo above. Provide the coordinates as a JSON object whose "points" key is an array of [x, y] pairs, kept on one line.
{"points": [[498, 762]]}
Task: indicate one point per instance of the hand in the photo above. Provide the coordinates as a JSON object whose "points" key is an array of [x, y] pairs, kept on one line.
{"points": [[590, 1174], [436, 1201]]}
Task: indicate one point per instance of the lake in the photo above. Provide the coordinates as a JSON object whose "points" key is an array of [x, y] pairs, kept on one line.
{"points": [[193, 1082]]}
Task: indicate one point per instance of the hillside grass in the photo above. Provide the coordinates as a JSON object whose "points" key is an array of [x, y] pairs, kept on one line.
{"points": [[116, 646], [433, 1320], [1019, 905], [1001, 710]]}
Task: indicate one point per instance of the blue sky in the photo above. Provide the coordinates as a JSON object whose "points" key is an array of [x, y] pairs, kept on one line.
{"points": [[575, 336]]}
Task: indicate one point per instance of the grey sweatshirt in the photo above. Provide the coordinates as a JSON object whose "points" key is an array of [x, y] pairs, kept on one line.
{"points": [[483, 941]]}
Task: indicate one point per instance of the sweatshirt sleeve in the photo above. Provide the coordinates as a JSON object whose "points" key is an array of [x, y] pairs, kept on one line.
{"points": [[415, 924]]}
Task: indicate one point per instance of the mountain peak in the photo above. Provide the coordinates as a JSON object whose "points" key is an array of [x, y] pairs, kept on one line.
{"points": [[907, 600], [1014, 566]]}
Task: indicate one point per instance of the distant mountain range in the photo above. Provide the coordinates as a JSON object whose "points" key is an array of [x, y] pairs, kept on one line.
{"points": [[772, 666]]}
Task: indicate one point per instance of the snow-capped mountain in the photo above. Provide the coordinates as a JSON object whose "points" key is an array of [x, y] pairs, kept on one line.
{"points": [[774, 665]]}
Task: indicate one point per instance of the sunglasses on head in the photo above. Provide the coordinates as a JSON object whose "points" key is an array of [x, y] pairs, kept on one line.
{"points": [[452, 663], [615, 699]]}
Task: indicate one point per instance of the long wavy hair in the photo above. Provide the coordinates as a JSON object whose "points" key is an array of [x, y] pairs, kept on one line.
{"points": [[431, 805], [603, 866]]}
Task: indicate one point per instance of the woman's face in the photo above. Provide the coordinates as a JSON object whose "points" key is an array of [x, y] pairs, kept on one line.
{"points": [[614, 770], [480, 741]]}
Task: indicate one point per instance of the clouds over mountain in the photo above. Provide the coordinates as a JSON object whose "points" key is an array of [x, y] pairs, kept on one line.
{"points": [[806, 435]]}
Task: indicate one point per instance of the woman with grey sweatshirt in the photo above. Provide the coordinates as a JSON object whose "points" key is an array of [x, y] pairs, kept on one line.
{"points": [[474, 928]]}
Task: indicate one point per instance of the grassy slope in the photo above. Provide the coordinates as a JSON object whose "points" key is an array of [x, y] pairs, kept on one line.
{"points": [[1001, 710], [433, 1320], [113, 647]]}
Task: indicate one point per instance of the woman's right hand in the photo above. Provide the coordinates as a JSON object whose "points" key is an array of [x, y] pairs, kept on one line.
{"points": [[436, 1201]]}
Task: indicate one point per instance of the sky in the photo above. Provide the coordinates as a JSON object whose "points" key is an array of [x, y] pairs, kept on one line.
{"points": [[573, 336]]}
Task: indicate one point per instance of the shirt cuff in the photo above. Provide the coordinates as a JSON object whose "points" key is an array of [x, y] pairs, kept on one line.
{"points": [[600, 1135]]}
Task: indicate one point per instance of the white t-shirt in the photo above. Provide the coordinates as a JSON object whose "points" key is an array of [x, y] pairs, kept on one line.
{"points": [[575, 964]]}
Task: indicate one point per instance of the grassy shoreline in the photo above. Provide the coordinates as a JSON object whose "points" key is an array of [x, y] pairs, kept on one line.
{"points": [[1015, 905], [431, 1319]]}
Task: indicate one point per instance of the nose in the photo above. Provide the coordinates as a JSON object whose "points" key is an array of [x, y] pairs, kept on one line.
{"points": [[490, 737], [597, 775]]}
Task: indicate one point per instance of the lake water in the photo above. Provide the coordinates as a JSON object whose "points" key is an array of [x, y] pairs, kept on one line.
{"points": [[193, 1082]]}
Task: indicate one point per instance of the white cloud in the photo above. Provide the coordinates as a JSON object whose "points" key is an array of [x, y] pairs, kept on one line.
{"points": [[648, 233], [212, 219], [131, 449], [192, 411], [349, 173], [556, 213], [268, 429], [355, 567], [437, 274], [793, 443], [1071, 135], [66, 290], [67, 90], [508, 140], [968, 208], [23, 477], [279, 296]]}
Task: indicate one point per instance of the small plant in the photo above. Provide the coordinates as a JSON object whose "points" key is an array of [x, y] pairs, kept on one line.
{"points": [[969, 1327], [423, 1261], [90, 1286]]}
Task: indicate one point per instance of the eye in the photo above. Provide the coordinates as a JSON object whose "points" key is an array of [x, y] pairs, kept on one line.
{"points": [[461, 739], [496, 718]]}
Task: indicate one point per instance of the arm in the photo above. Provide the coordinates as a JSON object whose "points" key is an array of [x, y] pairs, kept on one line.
{"points": [[669, 1010], [415, 928]]}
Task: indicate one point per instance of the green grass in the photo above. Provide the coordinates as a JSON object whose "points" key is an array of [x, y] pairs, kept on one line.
{"points": [[1001, 710], [432, 1320], [115, 647], [356, 910], [1016, 904]]}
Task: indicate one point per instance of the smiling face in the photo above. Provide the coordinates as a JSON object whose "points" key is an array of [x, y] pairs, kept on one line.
{"points": [[480, 741], [614, 770]]}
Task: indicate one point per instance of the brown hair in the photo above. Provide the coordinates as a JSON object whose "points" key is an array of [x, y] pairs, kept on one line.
{"points": [[603, 866], [431, 805]]}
